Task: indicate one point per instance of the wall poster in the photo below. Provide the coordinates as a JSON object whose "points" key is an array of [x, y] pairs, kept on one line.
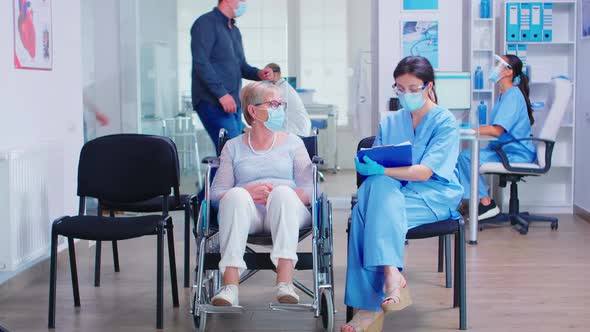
{"points": [[421, 38], [33, 42]]}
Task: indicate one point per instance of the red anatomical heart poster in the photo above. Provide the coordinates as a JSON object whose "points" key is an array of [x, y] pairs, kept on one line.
{"points": [[33, 44]]}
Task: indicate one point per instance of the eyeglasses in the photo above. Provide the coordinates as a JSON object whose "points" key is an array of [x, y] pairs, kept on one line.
{"points": [[273, 104], [410, 89]]}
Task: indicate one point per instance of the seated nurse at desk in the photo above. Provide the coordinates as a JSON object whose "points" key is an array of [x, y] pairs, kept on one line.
{"points": [[393, 200], [512, 118]]}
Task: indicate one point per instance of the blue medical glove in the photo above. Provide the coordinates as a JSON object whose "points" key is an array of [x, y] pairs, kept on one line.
{"points": [[369, 167]]}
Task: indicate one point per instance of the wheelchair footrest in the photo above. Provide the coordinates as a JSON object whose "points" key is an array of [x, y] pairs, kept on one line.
{"points": [[260, 261], [212, 309], [303, 307]]}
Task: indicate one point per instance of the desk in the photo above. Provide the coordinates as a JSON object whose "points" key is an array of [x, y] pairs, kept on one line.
{"points": [[474, 197]]}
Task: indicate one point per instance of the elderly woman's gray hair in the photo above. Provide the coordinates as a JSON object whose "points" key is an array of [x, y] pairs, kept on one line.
{"points": [[256, 93]]}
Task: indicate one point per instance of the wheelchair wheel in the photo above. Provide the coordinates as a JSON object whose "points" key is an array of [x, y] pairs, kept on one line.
{"points": [[200, 318], [200, 321], [327, 310]]}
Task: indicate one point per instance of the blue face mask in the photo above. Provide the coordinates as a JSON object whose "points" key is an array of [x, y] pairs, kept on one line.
{"points": [[412, 101], [241, 10], [494, 74], [276, 118]]}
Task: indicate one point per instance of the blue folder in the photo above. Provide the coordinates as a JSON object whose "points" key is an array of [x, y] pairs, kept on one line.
{"points": [[536, 22], [512, 21], [547, 21], [512, 50], [389, 155], [525, 21]]}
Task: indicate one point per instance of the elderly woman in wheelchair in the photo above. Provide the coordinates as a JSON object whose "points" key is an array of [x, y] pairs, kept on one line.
{"points": [[393, 200], [263, 184]]}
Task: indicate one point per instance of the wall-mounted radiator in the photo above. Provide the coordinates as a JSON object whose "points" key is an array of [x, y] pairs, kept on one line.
{"points": [[31, 193]]}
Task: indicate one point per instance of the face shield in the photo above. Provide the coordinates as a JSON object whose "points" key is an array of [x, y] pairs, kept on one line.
{"points": [[499, 66]]}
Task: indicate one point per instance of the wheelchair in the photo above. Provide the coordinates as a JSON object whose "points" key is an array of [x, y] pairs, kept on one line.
{"points": [[208, 278]]}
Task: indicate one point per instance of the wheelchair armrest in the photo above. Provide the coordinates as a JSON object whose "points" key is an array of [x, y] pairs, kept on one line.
{"points": [[318, 160], [549, 145], [213, 161]]}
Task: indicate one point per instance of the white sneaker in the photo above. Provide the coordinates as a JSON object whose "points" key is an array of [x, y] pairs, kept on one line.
{"points": [[286, 293], [226, 296]]}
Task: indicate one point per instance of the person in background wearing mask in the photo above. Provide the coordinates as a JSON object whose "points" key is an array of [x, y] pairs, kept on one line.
{"points": [[393, 200], [511, 118], [263, 184], [219, 64], [297, 121]]}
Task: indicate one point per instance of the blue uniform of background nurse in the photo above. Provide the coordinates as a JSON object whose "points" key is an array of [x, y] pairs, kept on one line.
{"points": [[511, 119]]}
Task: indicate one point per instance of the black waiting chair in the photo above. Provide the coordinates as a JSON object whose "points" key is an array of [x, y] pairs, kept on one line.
{"points": [[443, 230], [176, 202], [121, 168]]}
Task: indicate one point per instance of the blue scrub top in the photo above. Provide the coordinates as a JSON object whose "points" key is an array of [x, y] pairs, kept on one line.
{"points": [[435, 144], [510, 112]]}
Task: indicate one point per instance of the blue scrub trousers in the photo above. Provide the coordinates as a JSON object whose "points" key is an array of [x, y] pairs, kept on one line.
{"points": [[380, 220], [464, 169], [214, 118]]}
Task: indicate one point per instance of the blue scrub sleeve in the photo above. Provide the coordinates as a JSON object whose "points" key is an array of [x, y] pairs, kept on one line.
{"points": [[442, 151], [507, 115], [378, 141]]}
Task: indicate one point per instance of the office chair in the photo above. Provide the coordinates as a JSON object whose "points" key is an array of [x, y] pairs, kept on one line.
{"points": [[558, 100]]}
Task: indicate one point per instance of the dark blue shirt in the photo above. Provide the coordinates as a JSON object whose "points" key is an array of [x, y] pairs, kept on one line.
{"points": [[219, 63]]}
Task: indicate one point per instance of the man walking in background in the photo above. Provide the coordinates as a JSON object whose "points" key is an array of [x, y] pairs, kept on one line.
{"points": [[219, 64]]}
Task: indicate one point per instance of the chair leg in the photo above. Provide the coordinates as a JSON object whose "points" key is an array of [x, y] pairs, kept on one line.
{"points": [[160, 278], [463, 281], [457, 276], [115, 248], [52, 280], [74, 271], [172, 263], [97, 264], [448, 268], [441, 244], [187, 241], [116, 256]]}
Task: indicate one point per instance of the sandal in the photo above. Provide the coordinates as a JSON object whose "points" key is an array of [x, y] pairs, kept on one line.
{"points": [[394, 302], [376, 319]]}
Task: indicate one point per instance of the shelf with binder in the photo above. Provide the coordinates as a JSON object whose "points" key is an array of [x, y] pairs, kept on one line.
{"points": [[546, 58]]}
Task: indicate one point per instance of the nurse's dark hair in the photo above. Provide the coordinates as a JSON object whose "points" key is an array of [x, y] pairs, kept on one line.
{"points": [[419, 67], [516, 65]]}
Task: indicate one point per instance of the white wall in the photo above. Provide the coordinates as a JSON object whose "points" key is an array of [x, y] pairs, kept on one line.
{"points": [[389, 18], [39, 106], [582, 122]]}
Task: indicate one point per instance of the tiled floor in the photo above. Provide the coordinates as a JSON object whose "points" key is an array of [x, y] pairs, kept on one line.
{"points": [[537, 282]]}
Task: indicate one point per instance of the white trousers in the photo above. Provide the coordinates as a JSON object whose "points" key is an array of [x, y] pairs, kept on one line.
{"points": [[238, 217]]}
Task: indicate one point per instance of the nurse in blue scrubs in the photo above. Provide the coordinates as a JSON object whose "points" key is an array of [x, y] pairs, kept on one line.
{"points": [[393, 200], [512, 118]]}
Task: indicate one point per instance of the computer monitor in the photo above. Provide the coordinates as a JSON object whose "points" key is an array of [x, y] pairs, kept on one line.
{"points": [[453, 90]]}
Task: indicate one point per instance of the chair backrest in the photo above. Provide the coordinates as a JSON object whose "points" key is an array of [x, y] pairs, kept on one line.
{"points": [[311, 143], [558, 101], [127, 168], [365, 143]]}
